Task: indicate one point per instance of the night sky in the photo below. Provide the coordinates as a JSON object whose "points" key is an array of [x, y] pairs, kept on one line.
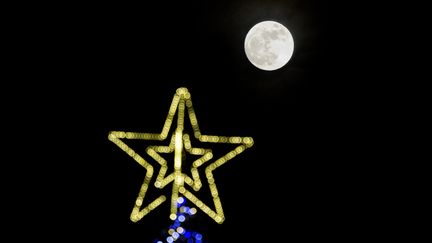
{"points": [[116, 68]]}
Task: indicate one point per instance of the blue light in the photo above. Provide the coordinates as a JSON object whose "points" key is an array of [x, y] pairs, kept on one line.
{"points": [[181, 218], [178, 233]]}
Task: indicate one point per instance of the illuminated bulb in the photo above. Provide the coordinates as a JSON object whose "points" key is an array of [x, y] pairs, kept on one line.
{"points": [[186, 210], [181, 218], [180, 230], [192, 211], [188, 180], [170, 239], [218, 219], [138, 202], [180, 200]]}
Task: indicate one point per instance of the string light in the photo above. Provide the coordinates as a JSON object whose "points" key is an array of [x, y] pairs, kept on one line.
{"points": [[176, 233], [179, 142]]}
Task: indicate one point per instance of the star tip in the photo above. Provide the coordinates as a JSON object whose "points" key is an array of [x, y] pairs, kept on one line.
{"points": [[134, 218], [182, 90], [248, 141], [110, 136], [220, 220]]}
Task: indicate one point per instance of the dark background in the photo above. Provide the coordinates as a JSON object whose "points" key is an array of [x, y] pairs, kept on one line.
{"points": [[116, 67]]}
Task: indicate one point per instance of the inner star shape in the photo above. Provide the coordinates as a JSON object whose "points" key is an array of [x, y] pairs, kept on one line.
{"points": [[179, 144]]}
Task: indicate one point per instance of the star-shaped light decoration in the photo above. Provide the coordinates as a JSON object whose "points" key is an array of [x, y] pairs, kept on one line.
{"points": [[179, 142]]}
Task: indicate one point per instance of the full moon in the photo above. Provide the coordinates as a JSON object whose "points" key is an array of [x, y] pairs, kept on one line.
{"points": [[269, 45]]}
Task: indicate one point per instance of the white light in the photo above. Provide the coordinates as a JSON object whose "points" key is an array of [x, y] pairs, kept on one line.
{"points": [[180, 200], [180, 230], [181, 218], [192, 211]]}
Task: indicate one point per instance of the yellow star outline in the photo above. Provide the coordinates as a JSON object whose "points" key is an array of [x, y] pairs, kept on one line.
{"points": [[161, 180], [179, 141]]}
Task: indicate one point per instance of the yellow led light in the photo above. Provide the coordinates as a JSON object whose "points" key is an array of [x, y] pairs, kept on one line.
{"points": [[179, 142]]}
